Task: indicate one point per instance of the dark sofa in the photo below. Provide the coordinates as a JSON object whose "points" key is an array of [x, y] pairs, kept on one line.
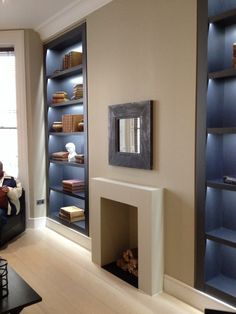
{"points": [[15, 224]]}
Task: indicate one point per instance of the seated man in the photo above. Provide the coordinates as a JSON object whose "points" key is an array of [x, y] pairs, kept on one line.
{"points": [[10, 192]]}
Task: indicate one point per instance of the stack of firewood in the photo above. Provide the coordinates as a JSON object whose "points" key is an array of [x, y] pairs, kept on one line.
{"points": [[129, 261]]}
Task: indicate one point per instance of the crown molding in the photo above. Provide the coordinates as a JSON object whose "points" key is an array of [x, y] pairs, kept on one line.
{"points": [[69, 16]]}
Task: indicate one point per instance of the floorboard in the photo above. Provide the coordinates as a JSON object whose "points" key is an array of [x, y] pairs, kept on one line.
{"points": [[62, 273]]}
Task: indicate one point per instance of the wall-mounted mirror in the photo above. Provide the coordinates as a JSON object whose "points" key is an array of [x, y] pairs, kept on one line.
{"points": [[130, 135]]}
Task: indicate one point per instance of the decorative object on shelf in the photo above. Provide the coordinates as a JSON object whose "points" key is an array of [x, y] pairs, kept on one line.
{"points": [[60, 97], [70, 122], [71, 213], [79, 158], [60, 156], [130, 135], [70, 147], [77, 91], [3, 278], [129, 261], [81, 126], [73, 185], [71, 59], [57, 126], [229, 180], [234, 55]]}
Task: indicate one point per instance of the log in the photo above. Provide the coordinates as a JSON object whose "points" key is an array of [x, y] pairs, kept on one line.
{"points": [[129, 261]]}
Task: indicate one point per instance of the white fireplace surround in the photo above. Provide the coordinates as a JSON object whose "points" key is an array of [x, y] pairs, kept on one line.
{"points": [[149, 204]]}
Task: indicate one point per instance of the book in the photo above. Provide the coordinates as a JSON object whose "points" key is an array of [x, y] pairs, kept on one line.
{"points": [[61, 156], [72, 211], [73, 182], [70, 122], [71, 219]]}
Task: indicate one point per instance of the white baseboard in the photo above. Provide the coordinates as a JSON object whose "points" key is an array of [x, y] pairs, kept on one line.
{"points": [[193, 297], [71, 234], [36, 223]]}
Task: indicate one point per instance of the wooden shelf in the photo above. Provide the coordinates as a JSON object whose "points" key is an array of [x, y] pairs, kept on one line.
{"points": [[222, 235], [231, 130], [227, 73], [67, 103], [59, 189], [66, 73], [224, 19]]}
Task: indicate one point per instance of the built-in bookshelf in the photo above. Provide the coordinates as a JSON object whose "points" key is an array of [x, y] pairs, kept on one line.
{"points": [[216, 150], [66, 122]]}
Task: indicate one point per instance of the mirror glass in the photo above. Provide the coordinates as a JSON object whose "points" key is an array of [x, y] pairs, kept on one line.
{"points": [[129, 135]]}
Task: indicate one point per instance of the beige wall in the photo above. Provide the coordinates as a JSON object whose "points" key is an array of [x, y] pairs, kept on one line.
{"points": [[140, 50], [35, 122]]}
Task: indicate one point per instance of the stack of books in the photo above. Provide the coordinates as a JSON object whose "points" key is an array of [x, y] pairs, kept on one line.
{"points": [[72, 59], [59, 97], [79, 158], [60, 156], [70, 122], [73, 185], [77, 91], [71, 213]]}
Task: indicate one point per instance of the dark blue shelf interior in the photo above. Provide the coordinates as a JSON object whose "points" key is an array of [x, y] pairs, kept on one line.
{"points": [[57, 173], [56, 113], [54, 57], [220, 47], [58, 200], [216, 7], [77, 225], [221, 109], [57, 143], [220, 270], [220, 217], [220, 156], [65, 85]]}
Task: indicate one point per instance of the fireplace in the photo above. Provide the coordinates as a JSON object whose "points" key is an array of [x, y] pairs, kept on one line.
{"points": [[125, 215], [118, 234]]}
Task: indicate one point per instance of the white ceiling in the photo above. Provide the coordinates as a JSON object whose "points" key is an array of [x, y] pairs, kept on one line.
{"points": [[30, 13], [45, 16]]}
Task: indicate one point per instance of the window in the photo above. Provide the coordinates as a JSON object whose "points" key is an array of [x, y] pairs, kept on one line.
{"points": [[8, 112]]}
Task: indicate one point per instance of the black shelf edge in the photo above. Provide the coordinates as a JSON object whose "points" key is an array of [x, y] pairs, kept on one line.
{"points": [[219, 184], [222, 235], [79, 101], [66, 73], [227, 73], [66, 163], [65, 133], [225, 19], [231, 130], [60, 190]]}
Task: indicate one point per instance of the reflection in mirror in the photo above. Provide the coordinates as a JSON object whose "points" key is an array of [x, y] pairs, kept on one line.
{"points": [[129, 135]]}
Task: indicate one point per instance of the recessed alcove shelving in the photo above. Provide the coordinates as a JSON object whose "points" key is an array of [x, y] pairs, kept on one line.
{"points": [[216, 150], [62, 76]]}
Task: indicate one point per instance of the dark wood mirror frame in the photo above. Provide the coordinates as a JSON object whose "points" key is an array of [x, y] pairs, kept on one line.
{"points": [[144, 111]]}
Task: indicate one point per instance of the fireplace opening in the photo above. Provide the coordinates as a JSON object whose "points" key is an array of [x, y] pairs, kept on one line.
{"points": [[119, 240]]}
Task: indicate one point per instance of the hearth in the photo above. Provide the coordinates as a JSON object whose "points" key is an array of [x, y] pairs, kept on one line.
{"points": [[125, 215]]}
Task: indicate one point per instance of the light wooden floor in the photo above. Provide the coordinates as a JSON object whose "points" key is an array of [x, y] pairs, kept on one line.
{"points": [[69, 283]]}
